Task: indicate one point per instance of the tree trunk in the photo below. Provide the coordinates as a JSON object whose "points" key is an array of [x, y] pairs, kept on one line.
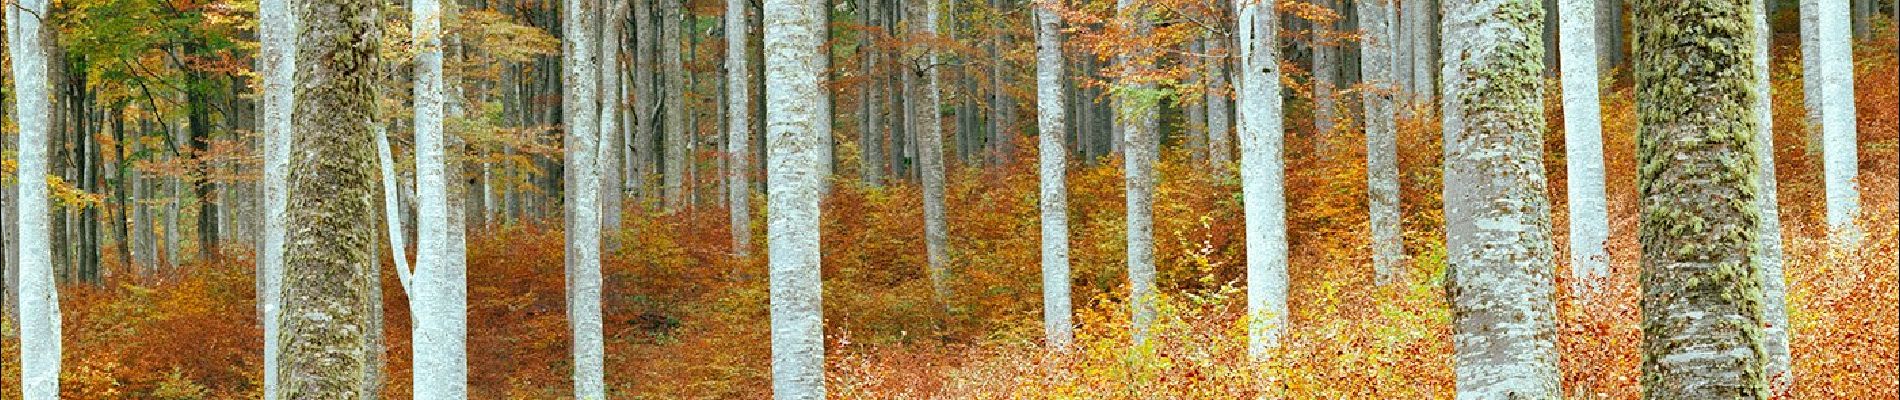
{"points": [[440, 317], [579, 107], [1220, 149], [613, 21], [929, 147], [1382, 152], [1702, 303], [1774, 286], [329, 272], [674, 101], [1262, 175], [1498, 247], [277, 64], [1058, 324], [1325, 75], [738, 128], [645, 98], [1583, 146], [796, 128], [1831, 85], [39, 314], [1142, 116]]}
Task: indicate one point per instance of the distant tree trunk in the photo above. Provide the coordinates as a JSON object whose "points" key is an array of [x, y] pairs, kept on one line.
{"points": [[579, 108], [1774, 285], [1609, 34], [392, 207], [1326, 55], [1498, 248], [440, 332], [645, 98], [613, 21], [929, 125], [1583, 145], [1142, 120], [871, 128], [1382, 152], [1863, 11], [1220, 149], [1831, 87], [329, 270], [674, 101], [198, 125], [1058, 324], [795, 129], [277, 63], [1702, 336], [1002, 107], [738, 128], [1262, 175], [39, 314]]}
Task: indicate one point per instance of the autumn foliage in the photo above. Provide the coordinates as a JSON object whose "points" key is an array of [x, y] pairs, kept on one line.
{"points": [[684, 319]]}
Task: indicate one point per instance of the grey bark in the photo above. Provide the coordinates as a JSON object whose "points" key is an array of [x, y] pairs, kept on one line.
{"points": [[1058, 324], [1830, 84], [1768, 259], [1220, 148], [440, 332], [795, 131], [1140, 116], [1697, 173], [738, 128], [580, 102], [1262, 175], [277, 63], [1583, 145], [39, 314], [1382, 168], [329, 269], [613, 21], [1498, 251], [673, 71], [929, 133]]}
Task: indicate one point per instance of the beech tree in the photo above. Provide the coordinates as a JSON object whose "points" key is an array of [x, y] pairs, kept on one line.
{"points": [[1768, 259], [39, 295], [1058, 324], [438, 307], [795, 129], [1262, 174], [1697, 171], [1498, 250], [1583, 143], [929, 125], [738, 128], [1138, 109], [1376, 61], [277, 65], [1827, 44], [328, 267], [579, 107]]}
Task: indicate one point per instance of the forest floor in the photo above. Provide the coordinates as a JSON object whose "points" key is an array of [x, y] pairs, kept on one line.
{"points": [[687, 320]]}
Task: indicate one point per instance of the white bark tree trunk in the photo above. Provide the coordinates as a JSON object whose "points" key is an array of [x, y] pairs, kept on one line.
{"points": [[1768, 256], [1140, 116], [929, 133], [1497, 217], [612, 149], [1326, 58], [580, 105], [738, 128], [1220, 148], [1583, 144], [1058, 324], [441, 318], [392, 207], [795, 131], [673, 71], [1262, 174], [277, 40], [1831, 85], [1382, 152], [39, 296]]}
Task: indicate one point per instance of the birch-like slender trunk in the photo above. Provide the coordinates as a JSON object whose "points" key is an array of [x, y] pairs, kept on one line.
{"points": [[673, 72], [613, 21], [738, 128], [795, 131], [645, 98], [1140, 116], [1697, 174], [1768, 256], [1326, 58], [1583, 144], [1498, 249], [929, 148], [39, 296], [579, 106], [1830, 84], [1220, 148], [1382, 151], [329, 330], [1262, 174], [277, 64], [441, 318], [1058, 324]]}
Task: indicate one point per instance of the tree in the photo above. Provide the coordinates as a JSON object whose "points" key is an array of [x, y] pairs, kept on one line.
{"points": [[328, 266], [673, 72], [438, 307], [612, 148], [1138, 107], [929, 124], [1830, 88], [1774, 287], [1583, 144], [1326, 60], [1695, 71], [1382, 151], [1498, 250], [1262, 174], [1058, 324], [277, 64], [39, 296], [579, 102], [795, 129], [738, 128]]}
